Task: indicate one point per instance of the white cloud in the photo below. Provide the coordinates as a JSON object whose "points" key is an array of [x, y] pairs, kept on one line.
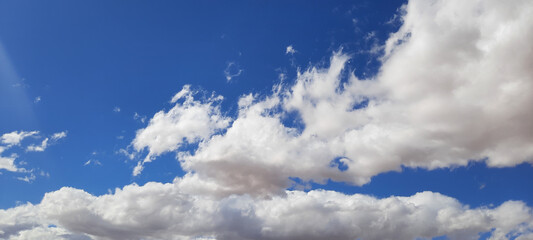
{"points": [[165, 211], [232, 70], [25, 222], [93, 162], [38, 148], [116, 109], [142, 118], [28, 178], [59, 135], [15, 137], [8, 163], [37, 99], [44, 144], [290, 50], [187, 122], [454, 87], [125, 152]]}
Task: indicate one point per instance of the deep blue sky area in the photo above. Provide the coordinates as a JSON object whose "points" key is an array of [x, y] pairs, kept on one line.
{"points": [[83, 59]]}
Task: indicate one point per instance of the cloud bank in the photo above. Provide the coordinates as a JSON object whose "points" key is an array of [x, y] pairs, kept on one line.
{"points": [[165, 211]]}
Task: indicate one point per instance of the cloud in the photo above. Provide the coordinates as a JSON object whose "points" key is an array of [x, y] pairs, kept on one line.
{"points": [[44, 144], [38, 148], [93, 162], [232, 70], [290, 50], [165, 211], [25, 222], [15, 137], [116, 109], [188, 121], [37, 99], [9, 140], [29, 178], [59, 135], [454, 87], [451, 89], [142, 118], [8, 163]]}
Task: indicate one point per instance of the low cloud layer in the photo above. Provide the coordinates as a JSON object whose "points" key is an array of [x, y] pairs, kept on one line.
{"points": [[165, 211]]}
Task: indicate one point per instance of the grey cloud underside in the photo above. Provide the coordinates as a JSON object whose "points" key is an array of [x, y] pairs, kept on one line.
{"points": [[165, 211]]}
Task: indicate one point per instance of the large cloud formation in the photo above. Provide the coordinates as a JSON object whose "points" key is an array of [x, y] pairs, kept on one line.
{"points": [[455, 86], [165, 211]]}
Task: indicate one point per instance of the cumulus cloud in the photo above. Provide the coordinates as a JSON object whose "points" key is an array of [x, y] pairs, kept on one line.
{"points": [[165, 211], [15, 137], [9, 140], [8, 163], [38, 148], [189, 121], [454, 87]]}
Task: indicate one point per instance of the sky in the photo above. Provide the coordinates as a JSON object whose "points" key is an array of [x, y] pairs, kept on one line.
{"points": [[266, 119]]}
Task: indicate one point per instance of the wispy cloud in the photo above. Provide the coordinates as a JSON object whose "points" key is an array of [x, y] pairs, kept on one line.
{"points": [[44, 144], [141, 118], [232, 70], [92, 162], [28, 178]]}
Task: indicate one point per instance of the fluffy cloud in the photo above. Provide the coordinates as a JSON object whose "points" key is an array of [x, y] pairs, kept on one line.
{"points": [[165, 211], [188, 121], [8, 163], [454, 87], [290, 50], [9, 140], [15, 137]]}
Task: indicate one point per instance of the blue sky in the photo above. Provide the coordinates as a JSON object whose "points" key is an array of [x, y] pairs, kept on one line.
{"points": [[252, 100]]}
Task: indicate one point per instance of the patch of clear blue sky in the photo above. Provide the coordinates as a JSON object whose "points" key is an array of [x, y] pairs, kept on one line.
{"points": [[84, 58]]}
